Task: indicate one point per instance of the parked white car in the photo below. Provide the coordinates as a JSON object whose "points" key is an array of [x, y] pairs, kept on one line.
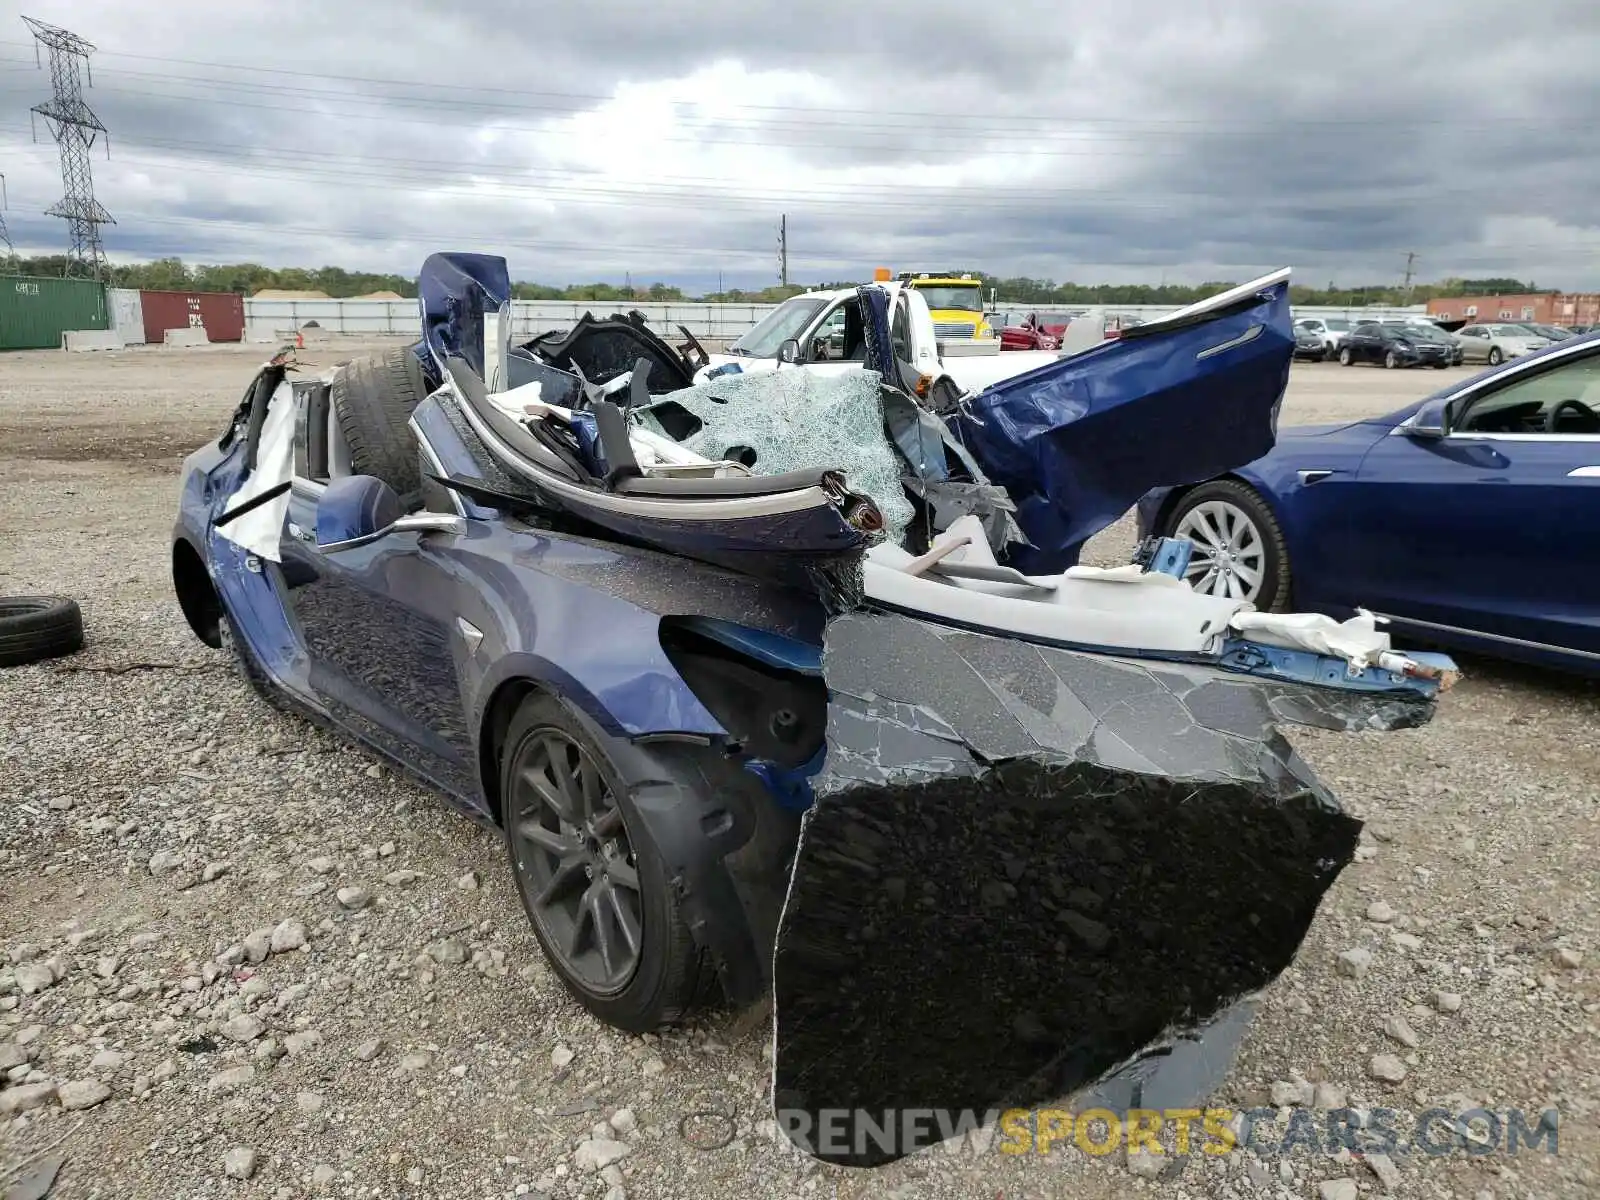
{"points": [[1332, 331], [1494, 344]]}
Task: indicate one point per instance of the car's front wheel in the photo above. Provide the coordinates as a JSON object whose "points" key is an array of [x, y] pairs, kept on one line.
{"points": [[1239, 551], [1391, 360], [1495, 356], [1346, 359], [592, 883]]}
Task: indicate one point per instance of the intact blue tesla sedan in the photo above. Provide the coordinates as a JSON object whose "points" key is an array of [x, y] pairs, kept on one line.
{"points": [[1468, 518]]}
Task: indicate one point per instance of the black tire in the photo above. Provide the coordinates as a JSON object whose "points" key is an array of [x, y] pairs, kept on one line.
{"points": [[373, 396], [1495, 356], [34, 628], [669, 974], [1391, 360], [1346, 359], [1329, 353], [1275, 582]]}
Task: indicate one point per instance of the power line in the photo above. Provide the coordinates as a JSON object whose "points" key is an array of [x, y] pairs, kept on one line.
{"points": [[827, 259], [351, 171], [74, 127], [1387, 120]]}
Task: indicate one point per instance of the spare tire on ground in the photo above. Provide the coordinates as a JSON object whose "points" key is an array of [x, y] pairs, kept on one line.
{"points": [[33, 628], [373, 397]]}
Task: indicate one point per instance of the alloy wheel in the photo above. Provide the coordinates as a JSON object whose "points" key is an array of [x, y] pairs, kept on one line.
{"points": [[1229, 557], [574, 862]]}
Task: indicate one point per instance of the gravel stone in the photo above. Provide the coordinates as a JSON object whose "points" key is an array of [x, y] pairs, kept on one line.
{"points": [[1387, 1068], [1569, 958], [241, 1028], [303, 1042], [1337, 1189], [26, 1098], [1447, 1002], [288, 935], [164, 862], [354, 898], [33, 978], [1145, 1165], [239, 1163], [597, 1153], [1383, 1167], [624, 1121], [1354, 964], [1329, 1097], [257, 945], [228, 1081], [83, 1093], [1399, 1029], [561, 1057], [369, 1050], [1379, 912], [449, 951]]}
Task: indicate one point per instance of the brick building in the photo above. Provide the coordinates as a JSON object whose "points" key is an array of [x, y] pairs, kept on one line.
{"points": [[1543, 308]]}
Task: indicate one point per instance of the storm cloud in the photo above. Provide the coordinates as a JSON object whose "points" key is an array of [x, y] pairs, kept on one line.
{"points": [[1181, 140]]}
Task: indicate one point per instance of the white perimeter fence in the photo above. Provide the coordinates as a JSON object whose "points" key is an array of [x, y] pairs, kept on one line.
{"points": [[266, 320]]}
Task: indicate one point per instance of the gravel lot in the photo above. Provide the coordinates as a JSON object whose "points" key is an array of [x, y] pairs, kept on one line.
{"points": [[238, 958]]}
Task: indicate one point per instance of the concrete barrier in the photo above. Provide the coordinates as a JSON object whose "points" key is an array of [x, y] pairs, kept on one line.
{"points": [[79, 340], [195, 335]]}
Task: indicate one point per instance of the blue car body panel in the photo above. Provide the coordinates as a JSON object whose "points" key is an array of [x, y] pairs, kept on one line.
{"points": [[454, 291], [1473, 540], [1071, 441]]}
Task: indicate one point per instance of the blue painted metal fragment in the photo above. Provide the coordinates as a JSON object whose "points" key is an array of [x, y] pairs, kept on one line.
{"points": [[1322, 670]]}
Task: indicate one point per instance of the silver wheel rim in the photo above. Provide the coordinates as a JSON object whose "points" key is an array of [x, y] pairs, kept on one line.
{"points": [[1230, 557]]}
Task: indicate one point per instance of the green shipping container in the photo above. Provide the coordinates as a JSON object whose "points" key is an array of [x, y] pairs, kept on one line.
{"points": [[35, 311]]}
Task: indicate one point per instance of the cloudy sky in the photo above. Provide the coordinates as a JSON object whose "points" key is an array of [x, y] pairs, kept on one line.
{"points": [[1188, 140]]}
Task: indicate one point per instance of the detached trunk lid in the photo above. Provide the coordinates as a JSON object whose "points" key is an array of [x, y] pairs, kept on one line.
{"points": [[1077, 442]]}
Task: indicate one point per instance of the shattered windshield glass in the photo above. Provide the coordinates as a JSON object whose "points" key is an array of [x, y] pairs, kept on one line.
{"points": [[788, 320]]}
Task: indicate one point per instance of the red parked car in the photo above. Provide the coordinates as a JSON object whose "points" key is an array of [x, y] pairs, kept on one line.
{"points": [[1030, 332]]}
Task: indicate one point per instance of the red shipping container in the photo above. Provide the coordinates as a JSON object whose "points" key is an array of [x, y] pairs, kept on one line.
{"points": [[221, 313]]}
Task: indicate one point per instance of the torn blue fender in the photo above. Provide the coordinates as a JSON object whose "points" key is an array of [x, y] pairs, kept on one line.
{"points": [[454, 291], [1077, 442]]}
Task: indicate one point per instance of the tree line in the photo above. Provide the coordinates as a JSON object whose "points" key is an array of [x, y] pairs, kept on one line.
{"points": [[174, 275]]}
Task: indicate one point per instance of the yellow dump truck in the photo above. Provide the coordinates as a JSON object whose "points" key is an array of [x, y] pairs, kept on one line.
{"points": [[956, 302]]}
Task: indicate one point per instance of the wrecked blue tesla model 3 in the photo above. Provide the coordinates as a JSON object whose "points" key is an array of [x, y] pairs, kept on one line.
{"points": [[750, 679]]}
